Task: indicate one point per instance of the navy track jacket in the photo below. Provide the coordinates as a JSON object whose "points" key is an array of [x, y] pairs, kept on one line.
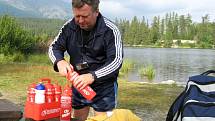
{"points": [[103, 51]]}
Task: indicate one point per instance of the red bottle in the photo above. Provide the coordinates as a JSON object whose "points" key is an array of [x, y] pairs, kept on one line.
{"points": [[49, 94], [31, 92], [49, 90], [57, 95], [66, 104], [87, 92]]}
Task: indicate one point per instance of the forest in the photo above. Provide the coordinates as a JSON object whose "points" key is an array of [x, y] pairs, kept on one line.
{"points": [[27, 35], [162, 31]]}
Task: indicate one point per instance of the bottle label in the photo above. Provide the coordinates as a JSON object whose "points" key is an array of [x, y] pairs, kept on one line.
{"points": [[66, 113], [50, 111], [66, 107], [88, 93]]}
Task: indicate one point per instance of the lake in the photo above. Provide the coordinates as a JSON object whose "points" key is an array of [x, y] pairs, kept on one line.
{"points": [[170, 63]]}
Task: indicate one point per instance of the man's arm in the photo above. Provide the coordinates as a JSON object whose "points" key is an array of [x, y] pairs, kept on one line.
{"points": [[114, 54], [56, 52]]}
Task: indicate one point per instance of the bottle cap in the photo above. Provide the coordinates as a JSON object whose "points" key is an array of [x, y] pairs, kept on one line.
{"points": [[40, 86]]}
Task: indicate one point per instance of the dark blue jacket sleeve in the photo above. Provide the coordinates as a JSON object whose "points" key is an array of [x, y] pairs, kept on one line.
{"points": [[58, 47], [114, 54]]}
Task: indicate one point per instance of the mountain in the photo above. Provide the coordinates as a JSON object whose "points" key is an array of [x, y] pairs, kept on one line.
{"points": [[60, 9]]}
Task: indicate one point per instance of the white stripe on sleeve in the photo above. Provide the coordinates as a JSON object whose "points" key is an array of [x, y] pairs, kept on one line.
{"points": [[50, 52], [118, 59]]}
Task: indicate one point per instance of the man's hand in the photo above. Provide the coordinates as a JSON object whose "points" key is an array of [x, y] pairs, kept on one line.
{"points": [[64, 67], [83, 80]]}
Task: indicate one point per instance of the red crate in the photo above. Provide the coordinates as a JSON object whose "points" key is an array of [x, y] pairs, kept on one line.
{"points": [[42, 111]]}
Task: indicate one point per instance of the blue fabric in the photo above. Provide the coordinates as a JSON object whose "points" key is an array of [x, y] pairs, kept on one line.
{"points": [[193, 101], [205, 107], [105, 99], [203, 79]]}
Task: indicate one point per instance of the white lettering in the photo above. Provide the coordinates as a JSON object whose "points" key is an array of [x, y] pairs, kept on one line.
{"points": [[86, 92], [50, 111], [66, 114], [89, 89]]}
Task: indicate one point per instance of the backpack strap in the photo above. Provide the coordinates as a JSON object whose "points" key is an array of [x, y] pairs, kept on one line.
{"points": [[208, 72], [176, 107]]}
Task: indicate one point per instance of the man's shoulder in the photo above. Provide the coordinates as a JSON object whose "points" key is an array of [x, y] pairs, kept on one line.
{"points": [[110, 24], [69, 24]]}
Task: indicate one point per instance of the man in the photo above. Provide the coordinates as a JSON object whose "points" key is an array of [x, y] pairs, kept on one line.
{"points": [[95, 48]]}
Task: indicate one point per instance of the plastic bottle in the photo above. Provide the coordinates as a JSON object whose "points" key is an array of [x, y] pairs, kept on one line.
{"points": [[87, 92], [40, 93], [57, 95], [31, 92], [49, 94], [66, 104]]}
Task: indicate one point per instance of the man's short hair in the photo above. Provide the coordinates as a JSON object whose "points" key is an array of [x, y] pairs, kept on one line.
{"points": [[80, 3]]}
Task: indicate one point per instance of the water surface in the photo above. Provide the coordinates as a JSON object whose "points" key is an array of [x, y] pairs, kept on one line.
{"points": [[169, 63]]}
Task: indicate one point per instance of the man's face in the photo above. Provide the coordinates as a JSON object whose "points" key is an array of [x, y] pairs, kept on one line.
{"points": [[85, 17]]}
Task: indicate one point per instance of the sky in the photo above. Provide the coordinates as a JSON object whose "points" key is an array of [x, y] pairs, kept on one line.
{"points": [[127, 9]]}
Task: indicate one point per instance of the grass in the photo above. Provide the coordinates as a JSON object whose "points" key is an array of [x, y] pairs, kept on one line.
{"points": [[143, 99], [126, 67], [39, 59], [149, 101], [148, 72], [15, 77]]}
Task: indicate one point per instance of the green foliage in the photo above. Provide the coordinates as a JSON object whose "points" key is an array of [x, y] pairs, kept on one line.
{"points": [[44, 31], [27, 35], [162, 31], [39, 59], [148, 72], [13, 38], [188, 45], [44, 28], [16, 57], [30, 59], [167, 43], [126, 67], [206, 35]]}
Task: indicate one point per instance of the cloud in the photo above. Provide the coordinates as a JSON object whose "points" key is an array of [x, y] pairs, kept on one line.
{"points": [[115, 9], [150, 8]]}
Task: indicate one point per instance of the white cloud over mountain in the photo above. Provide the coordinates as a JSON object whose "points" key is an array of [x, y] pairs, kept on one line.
{"points": [[125, 9]]}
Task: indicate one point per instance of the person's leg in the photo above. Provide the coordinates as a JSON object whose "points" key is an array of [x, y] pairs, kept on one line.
{"points": [[80, 106], [107, 101], [81, 114]]}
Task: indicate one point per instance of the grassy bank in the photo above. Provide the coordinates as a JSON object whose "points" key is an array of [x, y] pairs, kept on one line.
{"points": [[148, 101]]}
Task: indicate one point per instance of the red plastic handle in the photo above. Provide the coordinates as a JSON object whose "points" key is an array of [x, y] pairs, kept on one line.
{"points": [[45, 80]]}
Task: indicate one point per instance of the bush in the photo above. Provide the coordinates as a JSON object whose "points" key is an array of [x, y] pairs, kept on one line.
{"points": [[16, 57], [13, 38]]}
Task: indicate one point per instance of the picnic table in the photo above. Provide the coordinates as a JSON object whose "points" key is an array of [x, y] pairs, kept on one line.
{"points": [[9, 111]]}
